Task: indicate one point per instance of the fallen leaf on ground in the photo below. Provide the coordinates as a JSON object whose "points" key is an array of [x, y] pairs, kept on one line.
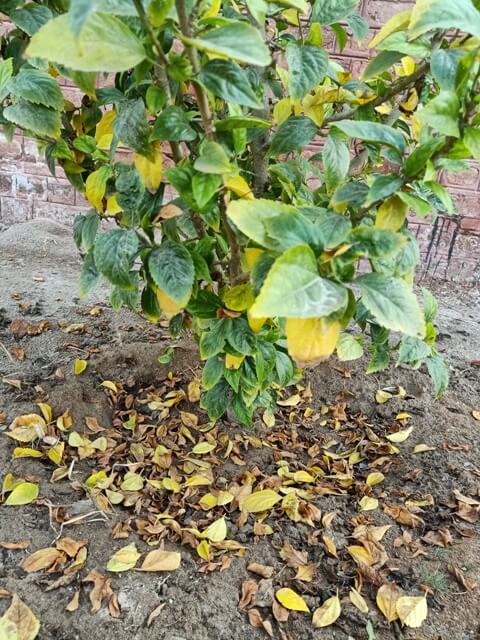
{"points": [[101, 590], [400, 436], [159, 560], [13, 546], [358, 600], [155, 613], [79, 366], [387, 597], [41, 559], [461, 578], [260, 501], [256, 620], [328, 613], [124, 559], [279, 612], [261, 569], [412, 610], [70, 546], [367, 503], [403, 515], [249, 589], [74, 602], [22, 617], [289, 599]]}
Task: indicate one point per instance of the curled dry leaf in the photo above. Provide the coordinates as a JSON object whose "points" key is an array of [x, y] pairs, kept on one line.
{"points": [[102, 589], [403, 515], [70, 546], [74, 602], [256, 620], [400, 436], [14, 546], [124, 559], [305, 572], [279, 612], [155, 613], [20, 617], [461, 578], [159, 560], [292, 557], [41, 559], [387, 597], [291, 600], [249, 589], [261, 569], [412, 610], [328, 613]]}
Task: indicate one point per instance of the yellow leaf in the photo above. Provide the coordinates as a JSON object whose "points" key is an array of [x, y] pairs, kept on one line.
{"points": [[282, 110], [330, 544], [108, 384], [400, 436], [303, 476], [217, 531], [368, 504], [160, 560], [305, 572], [112, 206], [358, 600], [328, 613], [23, 493], [105, 126], [412, 610], [255, 324], [203, 447], [79, 366], [240, 297], [397, 23], [55, 454], [132, 482], [387, 597], [19, 616], [208, 501], [150, 170], [311, 340], [203, 550], [233, 362], [374, 478], [95, 187], [213, 9], [382, 396], [360, 555], [259, 501], [391, 214], [46, 410], [167, 305], [27, 428], [422, 448], [171, 485], [239, 186], [250, 257], [124, 559], [268, 418], [291, 16], [476, 414], [26, 452], [291, 600]]}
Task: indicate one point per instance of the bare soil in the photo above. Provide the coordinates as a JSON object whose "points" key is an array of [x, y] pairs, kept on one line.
{"points": [[39, 274]]}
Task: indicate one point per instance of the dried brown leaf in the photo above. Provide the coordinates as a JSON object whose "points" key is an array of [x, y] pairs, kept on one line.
{"points": [[461, 578], [249, 589], [261, 569]]}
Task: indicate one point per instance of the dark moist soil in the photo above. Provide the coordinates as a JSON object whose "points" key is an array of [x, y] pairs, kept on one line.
{"points": [[39, 271]]}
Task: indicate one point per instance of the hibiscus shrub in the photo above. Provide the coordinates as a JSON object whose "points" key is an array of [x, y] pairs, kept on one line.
{"points": [[216, 219]]}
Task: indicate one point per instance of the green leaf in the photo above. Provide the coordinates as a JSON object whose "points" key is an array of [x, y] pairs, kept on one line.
{"points": [[438, 370], [226, 79], [131, 127], [85, 144], [421, 207], [471, 139], [444, 14], [412, 351], [114, 253], [171, 267], [237, 40], [158, 10], [372, 132], [37, 87], [241, 337], [380, 63], [213, 341], [333, 228], [359, 27], [172, 124], [6, 70], [430, 305], [150, 306], [441, 113], [213, 159], [384, 186], [242, 122], [352, 194], [85, 229], [336, 162], [90, 277], [329, 11], [104, 44], [375, 243], [212, 372], [293, 288], [443, 66], [307, 67], [204, 187], [215, 401], [292, 135], [30, 17], [289, 229], [35, 118], [349, 348], [249, 216], [392, 303], [419, 157]]}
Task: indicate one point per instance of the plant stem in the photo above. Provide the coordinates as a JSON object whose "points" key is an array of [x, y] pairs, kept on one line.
{"points": [[234, 264], [202, 98]]}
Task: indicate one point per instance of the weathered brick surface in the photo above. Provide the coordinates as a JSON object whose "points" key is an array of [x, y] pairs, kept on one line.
{"points": [[450, 247]]}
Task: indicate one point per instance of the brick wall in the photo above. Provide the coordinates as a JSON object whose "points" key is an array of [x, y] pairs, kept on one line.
{"points": [[450, 247]]}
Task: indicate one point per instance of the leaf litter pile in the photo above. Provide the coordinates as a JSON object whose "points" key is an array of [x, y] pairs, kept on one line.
{"points": [[176, 479]]}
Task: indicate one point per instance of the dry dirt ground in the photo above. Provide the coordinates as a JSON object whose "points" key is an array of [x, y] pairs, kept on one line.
{"points": [[39, 270]]}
